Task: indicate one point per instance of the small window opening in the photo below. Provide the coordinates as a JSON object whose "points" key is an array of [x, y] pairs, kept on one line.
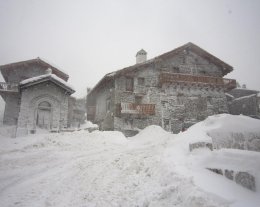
{"points": [[129, 84], [140, 81]]}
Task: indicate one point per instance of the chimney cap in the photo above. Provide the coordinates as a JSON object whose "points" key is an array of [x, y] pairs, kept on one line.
{"points": [[141, 52]]}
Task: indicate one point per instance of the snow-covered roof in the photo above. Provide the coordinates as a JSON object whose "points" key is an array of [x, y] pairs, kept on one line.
{"points": [[56, 70], [229, 95], [245, 97], [226, 68], [47, 77]]}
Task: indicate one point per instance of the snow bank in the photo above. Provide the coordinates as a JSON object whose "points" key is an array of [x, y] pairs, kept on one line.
{"points": [[7, 131], [150, 133], [226, 131], [194, 164], [104, 168], [234, 131], [232, 123]]}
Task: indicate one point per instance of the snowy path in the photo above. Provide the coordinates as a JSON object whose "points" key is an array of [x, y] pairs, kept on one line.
{"points": [[98, 169]]}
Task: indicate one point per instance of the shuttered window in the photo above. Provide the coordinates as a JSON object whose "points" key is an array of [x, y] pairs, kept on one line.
{"points": [[129, 84]]}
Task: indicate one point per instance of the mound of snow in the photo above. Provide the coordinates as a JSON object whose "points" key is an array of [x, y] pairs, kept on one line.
{"points": [[88, 124], [109, 137], [232, 123], [151, 131], [226, 131], [150, 134], [153, 168]]}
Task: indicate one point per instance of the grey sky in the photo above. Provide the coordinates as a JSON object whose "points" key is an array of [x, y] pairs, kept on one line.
{"points": [[88, 39]]}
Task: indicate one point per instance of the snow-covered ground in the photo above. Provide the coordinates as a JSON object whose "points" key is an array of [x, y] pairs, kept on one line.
{"points": [[154, 168]]}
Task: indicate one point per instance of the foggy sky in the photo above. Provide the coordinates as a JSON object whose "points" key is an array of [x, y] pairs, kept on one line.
{"points": [[88, 39]]}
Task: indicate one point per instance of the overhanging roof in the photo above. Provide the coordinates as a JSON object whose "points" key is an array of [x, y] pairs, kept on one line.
{"points": [[55, 70], [226, 68]]}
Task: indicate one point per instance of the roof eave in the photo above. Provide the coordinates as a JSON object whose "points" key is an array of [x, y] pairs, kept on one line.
{"points": [[70, 90], [38, 60]]}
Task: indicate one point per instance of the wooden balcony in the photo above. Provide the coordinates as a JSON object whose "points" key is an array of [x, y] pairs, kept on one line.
{"points": [[133, 108], [9, 87], [91, 113], [228, 84]]}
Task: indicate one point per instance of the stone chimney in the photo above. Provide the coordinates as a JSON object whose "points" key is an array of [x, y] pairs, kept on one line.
{"points": [[141, 56]]}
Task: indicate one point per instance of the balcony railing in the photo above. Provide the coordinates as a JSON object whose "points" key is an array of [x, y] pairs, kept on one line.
{"points": [[91, 112], [9, 87], [186, 78], [230, 83], [133, 108]]}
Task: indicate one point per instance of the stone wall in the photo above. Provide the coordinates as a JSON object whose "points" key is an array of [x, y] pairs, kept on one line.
{"points": [[247, 105], [76, 112], [12, 107], [104, 107], [33, 95], [244, 141], [191, 63], [245, 179], [177, 106]]}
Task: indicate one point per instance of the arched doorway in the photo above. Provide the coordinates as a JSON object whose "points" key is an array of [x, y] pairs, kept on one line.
{"points": [[43, 119]]}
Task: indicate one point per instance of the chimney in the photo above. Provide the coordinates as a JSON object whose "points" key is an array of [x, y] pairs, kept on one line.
{"points": [[141, 56]]}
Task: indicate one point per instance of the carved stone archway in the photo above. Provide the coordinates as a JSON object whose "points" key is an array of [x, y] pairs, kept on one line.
{"points": [[44, 115], [46, 111]]}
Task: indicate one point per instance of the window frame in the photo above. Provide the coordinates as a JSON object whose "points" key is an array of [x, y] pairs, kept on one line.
{"points": [[129, 84]]}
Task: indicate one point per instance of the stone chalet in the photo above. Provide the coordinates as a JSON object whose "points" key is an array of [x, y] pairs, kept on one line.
{"points": [[36, 96], [173, 90], [244, 101]]}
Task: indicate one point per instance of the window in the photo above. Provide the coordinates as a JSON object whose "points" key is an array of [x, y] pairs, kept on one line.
{"points": [[129, 84], [176, 69], [209, 100], [44, 105], [180, 99], [108, 104], [164, 104], [140, 81], [183, 59], [166, 124]]}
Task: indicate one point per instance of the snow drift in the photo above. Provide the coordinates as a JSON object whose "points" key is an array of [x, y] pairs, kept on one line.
{"points": [[153, 168]]}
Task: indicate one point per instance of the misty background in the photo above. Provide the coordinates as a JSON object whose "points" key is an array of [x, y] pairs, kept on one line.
{"points": [[88, 39]]}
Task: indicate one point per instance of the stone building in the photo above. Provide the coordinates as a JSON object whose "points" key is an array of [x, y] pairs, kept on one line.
{"points": [[77, 112], [243, 101], [173, 90], [36, 96]]}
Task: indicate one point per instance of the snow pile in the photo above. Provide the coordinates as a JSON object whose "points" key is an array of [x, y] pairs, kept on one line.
{"points": [[226, 131], [232, 123], [88, 124], [234, 131], [194, 165], [7, 131], [151, 135], [153, 168]]}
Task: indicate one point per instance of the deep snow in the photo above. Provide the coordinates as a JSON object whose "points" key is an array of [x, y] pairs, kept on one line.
{"points": [[154, 168]]}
